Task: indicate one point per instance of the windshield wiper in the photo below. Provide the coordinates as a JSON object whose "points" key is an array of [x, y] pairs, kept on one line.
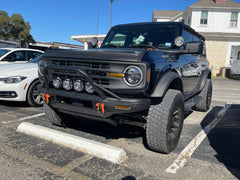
{"points": [[110, 45]]}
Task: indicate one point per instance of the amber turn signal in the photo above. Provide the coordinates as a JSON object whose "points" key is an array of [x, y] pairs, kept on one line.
{"points": [[122, 107], [120, 75]]}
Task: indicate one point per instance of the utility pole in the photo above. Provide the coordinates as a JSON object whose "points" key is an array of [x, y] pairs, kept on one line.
{"points": [[97, 21], [111, 14]]}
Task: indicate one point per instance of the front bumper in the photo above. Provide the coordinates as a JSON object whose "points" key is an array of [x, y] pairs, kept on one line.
{"points": [[92, 105], [13, 92]]}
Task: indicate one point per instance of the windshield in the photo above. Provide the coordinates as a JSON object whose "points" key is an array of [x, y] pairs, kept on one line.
{"points": [[158, 36], [3, 51]]}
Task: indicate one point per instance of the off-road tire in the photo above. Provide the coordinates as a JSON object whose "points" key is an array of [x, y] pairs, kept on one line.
{"points": [[34, 98], [206, 94], [164, 122], [54, 117]]}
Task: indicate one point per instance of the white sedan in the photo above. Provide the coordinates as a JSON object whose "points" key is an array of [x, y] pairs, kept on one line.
{"points": [[19, 82], [18, 55]]}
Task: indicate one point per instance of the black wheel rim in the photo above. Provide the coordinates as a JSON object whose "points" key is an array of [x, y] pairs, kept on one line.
{"points": [[37, 98], [175, 124]]}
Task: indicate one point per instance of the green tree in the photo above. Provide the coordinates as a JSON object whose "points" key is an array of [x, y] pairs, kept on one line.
{"points": [[4, 26], [15, 28]]}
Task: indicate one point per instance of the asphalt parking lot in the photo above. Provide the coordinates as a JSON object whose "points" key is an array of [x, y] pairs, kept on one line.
{"points": [[215, 157]]}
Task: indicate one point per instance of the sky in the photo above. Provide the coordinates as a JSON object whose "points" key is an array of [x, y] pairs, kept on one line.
{"points": [[58, 20]]}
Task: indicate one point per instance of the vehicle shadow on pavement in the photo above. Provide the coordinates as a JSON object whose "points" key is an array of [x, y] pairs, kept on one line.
{"points": [[225, 137], [104, 129]]}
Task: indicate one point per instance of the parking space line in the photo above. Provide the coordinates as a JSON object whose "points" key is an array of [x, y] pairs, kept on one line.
{"points": [[24, 118], [193, 145]]}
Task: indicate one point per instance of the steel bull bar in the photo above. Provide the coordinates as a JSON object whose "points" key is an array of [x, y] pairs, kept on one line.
{"points": [[104, 103]]}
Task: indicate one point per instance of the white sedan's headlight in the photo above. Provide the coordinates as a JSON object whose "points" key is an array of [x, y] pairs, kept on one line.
{"points": [[12, 79]]}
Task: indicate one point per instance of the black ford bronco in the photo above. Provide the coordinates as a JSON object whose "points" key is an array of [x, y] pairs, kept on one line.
{"points": [[144, 74]]}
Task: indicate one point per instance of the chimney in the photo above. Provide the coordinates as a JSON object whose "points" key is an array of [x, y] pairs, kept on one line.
{"points": [[220, 1]]}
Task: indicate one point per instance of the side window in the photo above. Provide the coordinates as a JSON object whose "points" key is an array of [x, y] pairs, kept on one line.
{"points": [[195, 38], [187, 36], [238, 56], [17, 56], [34, 54]]}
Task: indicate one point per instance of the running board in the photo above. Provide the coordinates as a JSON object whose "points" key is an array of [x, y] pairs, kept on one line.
{"points": [[192, 102]]}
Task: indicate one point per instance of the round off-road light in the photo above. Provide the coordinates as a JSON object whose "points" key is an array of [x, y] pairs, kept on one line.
{"points": [[89, 88], [67, 84], [133, 75], [78, 86], [57, 82], [179, 41]]}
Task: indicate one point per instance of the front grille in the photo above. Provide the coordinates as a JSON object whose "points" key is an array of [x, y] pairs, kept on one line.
{"points": [[81, 64], [97, 71]]}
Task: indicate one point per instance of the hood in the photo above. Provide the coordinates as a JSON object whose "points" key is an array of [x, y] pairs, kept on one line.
{"points": [[24, 69], [113, 54]]}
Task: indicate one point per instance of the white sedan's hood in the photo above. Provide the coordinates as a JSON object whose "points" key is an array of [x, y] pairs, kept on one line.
{"points": [[24, 69]]}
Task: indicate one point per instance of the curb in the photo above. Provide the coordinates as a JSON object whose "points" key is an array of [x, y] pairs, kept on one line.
{"points": [[110, 153]]}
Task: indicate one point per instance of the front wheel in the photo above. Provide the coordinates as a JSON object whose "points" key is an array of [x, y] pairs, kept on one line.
{"points": [[34, 97], [164, 122]]}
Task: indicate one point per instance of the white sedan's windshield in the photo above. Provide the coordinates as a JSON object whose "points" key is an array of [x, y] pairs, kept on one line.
{"points": [[3, 51]]}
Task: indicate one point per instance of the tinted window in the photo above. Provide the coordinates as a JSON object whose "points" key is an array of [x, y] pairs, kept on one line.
{"points": [[187, 36], [34, 54], [18, 56]]}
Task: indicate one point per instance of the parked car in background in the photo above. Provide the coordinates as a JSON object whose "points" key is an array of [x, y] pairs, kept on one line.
{"points": [[235, 69], [18, 55], [19, 82]]}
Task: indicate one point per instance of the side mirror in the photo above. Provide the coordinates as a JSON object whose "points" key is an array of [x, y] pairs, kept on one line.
{"points": [[93, 43], [194, 47]]}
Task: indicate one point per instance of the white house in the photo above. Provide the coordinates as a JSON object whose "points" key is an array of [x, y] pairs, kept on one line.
{"points": [[218, 21]]}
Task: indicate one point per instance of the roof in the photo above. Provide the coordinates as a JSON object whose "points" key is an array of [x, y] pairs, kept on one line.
{"points": [[165, 13], [213, 4], [25, 49], [219, 35]]}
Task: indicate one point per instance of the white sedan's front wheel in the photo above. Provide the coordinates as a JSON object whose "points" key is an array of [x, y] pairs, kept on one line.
{"points": [[34, 97]]}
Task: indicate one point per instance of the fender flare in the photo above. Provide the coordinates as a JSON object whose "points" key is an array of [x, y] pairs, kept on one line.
{"points": [[164, 83], [205, 76]]}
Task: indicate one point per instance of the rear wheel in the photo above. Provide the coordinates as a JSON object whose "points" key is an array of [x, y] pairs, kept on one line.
{"points": [[206, 94], [164, 122]]}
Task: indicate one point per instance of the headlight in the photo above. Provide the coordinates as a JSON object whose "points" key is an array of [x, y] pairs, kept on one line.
{"points": [[13, 79], [133, 75], [41, 65]]}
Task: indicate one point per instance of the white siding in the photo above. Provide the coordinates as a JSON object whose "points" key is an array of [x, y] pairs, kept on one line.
{"points": [[218, 21]]}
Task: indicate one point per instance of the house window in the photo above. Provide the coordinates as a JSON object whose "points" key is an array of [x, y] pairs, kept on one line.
{"points": [[204, 17], [234, 19]]}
